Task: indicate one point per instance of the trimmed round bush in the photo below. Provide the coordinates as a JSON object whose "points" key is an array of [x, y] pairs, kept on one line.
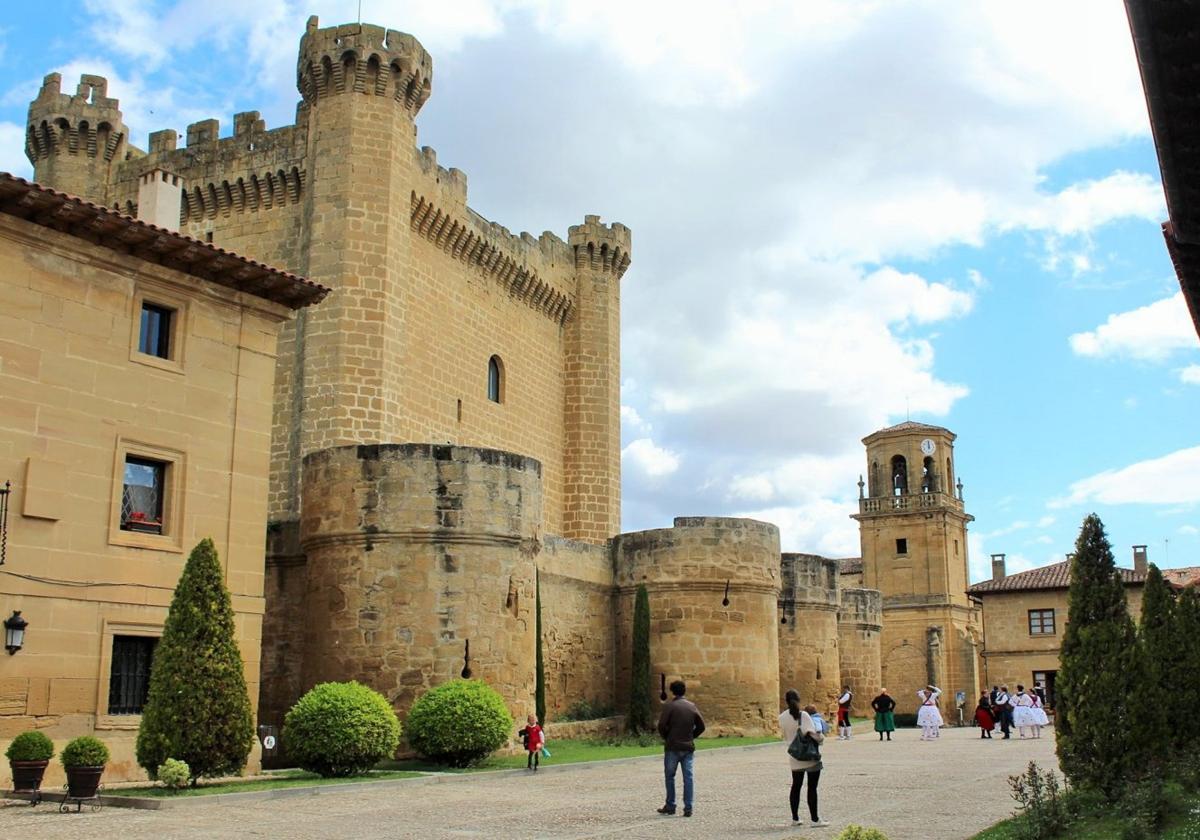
{"points": [[459, 723], [174, 774], [857, 832], [84, 751], [30, 746], [341, 729]]}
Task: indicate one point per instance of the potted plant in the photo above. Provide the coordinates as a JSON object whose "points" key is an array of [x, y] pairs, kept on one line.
{"points": [[28, 755], [84, 759]]}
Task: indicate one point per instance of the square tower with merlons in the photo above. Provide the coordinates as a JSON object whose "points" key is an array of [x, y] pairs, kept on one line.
{"points": [[913, 532]]}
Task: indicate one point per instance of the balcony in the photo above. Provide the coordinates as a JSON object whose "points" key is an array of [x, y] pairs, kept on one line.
{"points": [[909, 502]]}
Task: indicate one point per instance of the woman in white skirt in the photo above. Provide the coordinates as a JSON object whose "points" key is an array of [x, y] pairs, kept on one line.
{"points": [[928, 716], [1039, 715], [1023, 716]]}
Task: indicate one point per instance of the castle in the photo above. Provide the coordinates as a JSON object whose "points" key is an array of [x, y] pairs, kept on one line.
{"points": [[445, 449]]}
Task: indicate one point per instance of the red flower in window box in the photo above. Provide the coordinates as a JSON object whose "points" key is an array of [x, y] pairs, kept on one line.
{"points": [[138, 522]]}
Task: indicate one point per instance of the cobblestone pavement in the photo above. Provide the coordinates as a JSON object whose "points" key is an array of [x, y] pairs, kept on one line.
{"points": [[950, 788]]}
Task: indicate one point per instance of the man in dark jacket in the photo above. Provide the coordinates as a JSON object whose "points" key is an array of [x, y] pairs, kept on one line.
{"points": [[679, 724]]}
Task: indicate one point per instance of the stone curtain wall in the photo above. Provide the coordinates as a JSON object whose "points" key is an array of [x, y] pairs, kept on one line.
{"points": [[578, 624], [860, 621], [809, 659], [412, 551], [728, 655]]}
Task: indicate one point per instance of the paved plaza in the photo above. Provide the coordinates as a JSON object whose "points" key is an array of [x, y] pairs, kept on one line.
{"points": [[941, 790]]}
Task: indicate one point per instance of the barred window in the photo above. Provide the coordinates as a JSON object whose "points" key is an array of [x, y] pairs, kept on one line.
{"points": [[1041, 622], [129, 679]]}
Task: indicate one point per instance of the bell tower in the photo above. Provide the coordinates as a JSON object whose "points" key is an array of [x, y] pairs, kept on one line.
{"points": [[913, 533]]}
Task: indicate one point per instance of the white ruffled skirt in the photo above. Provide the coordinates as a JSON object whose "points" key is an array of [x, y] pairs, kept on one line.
{"points": [[929, 716]]}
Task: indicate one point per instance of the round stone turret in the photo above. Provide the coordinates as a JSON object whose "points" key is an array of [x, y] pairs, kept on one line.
{"points": [[74, 141], [414, 551], [366, 59], [713, 584], [808, 629]]}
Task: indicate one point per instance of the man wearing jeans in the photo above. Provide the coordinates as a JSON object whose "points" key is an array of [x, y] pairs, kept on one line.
{"points": [[679, 724]]}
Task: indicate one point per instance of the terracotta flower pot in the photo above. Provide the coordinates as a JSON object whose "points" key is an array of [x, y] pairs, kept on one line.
{"points": [[27, 775], [83, 781]]}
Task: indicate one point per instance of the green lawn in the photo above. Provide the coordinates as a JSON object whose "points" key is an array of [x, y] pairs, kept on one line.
{"points": [[577, 751], [281, 779]]}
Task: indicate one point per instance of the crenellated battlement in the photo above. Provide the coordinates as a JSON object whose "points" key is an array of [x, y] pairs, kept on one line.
{"points": [[362, 58], [86, 123], [601, 247]]}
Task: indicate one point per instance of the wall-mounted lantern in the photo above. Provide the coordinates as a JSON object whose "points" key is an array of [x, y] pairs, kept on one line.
{"points": [[466, 671], [14, 632]]}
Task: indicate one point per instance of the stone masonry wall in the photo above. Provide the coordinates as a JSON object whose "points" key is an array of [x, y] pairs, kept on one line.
{"points": [[414, 551], [578, 630], [809, 659], [727, 654], [860, 620]]}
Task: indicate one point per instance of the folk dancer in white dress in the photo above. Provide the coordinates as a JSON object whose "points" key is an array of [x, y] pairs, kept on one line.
{"points": [[928, 716], [1023, 716], [1039, 716]]}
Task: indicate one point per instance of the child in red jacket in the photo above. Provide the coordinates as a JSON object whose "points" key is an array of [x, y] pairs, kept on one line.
{"points": [[533, 739]]}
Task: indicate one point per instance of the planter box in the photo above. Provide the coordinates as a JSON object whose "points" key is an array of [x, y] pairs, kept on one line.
{"points": [[27, 775], [82, 782]]}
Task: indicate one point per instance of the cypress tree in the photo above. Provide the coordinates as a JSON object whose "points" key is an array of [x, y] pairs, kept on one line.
{"points": [[1160, 666], [1186, 631], [639, 684], [539, 690], [1098, 726], [198, 709]]}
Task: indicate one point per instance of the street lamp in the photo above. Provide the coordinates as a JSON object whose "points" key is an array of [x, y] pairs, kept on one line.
{"points": [[14, 632]]}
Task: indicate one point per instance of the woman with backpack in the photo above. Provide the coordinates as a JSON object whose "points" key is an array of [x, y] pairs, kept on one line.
{"points": [[802, 736]]}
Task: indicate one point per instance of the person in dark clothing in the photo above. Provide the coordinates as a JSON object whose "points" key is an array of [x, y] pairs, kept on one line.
{"points": [[679, 725], [992, 696], [885, 718], [985, 717], [1002, 709]]}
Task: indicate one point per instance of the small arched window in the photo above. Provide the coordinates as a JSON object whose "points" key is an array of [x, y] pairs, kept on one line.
{"points": [[495, 379], [899, 476]]}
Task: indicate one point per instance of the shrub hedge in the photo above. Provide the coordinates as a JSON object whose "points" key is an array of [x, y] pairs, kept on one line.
{"points": [[459, 723], [341, 729], [30, 746], [84, 751]]}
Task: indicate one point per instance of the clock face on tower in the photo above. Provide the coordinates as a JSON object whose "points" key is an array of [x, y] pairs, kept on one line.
{"points": [[927, 446]]}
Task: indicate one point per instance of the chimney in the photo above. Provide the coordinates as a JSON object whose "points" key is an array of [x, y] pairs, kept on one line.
{"points": [[998, 567], [1141, 564], [160, 194]]}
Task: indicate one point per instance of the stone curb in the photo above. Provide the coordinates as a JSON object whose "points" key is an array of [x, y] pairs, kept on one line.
{"points": [[146, 803]]}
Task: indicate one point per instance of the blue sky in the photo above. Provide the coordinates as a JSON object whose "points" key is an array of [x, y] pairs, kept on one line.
{"points": [[844, 213]]}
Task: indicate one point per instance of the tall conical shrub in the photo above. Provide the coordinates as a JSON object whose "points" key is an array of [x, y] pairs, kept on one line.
{"points": [[198, 710], [1098, 725], [539, 690], [1160, 654], [639, 684], [1186, 630]]}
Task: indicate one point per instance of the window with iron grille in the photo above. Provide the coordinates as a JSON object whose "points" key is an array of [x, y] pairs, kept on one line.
{"points": [[1041, 622], [129, 680], [142, 495]]}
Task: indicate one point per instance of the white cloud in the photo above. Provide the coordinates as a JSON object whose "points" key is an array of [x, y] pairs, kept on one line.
{"points": [[1190, 375], [650, 459], [1150, 333], [12, 150], [1169, 480], [1189, 530], [1087, 205]]}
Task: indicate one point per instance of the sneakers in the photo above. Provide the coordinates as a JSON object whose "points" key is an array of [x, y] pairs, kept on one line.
{"points": [[687, 812], [670, 812], [819, 823]]}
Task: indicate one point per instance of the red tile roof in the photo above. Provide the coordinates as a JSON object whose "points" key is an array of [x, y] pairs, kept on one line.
{"points": [[111, 229], [850, 566], [1054, 576], [1185, 577]]}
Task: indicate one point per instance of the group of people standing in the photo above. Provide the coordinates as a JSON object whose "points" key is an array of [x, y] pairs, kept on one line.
{"points": [[1024, 710]]}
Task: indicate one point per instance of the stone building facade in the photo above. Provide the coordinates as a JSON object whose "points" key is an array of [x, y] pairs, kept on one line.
{"points": [[136, 370], [445, 432]]}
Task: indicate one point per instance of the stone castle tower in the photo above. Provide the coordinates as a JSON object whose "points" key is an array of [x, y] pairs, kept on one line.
{"points": [[446, 425], [914, 552]]}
